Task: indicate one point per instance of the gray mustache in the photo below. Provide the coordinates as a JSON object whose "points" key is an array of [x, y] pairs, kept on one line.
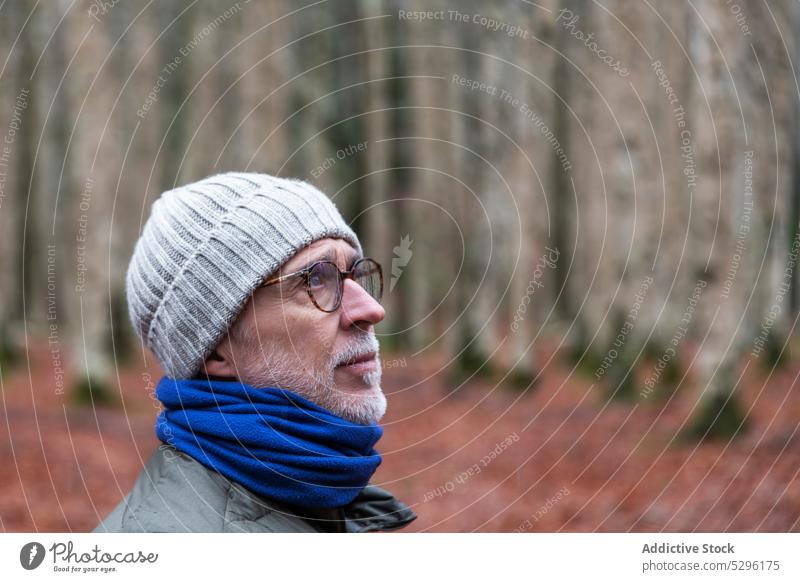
{"points": [[363, 345]]}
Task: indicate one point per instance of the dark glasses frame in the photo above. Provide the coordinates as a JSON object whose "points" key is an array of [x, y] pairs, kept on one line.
{"points": [[349, 274]]}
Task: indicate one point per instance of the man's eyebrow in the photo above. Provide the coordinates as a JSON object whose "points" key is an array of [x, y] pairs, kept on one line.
{"points": [[325, 257], [354, 256]]}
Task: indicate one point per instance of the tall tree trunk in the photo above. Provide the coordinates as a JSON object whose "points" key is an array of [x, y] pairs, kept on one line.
{"points": [[743, 186], [16, 173], [382, 238], [264, 134], [97, 161]]}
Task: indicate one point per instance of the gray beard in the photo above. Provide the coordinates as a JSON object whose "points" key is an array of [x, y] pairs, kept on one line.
{"points": [[263, 364]]}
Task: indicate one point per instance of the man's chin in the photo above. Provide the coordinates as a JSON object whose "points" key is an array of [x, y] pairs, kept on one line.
{"points": [[362, 384], [354, 397], [357, 389], [364, 406]]}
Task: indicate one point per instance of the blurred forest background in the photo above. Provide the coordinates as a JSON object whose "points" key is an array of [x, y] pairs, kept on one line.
{"points": [[587, 213]]}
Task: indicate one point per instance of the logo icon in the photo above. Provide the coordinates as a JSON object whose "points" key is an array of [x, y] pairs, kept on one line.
{"points": [[402, 255], [31, 555]]}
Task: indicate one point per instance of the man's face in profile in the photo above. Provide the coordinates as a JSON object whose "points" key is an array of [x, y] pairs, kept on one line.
{"points": [[281, 339]]}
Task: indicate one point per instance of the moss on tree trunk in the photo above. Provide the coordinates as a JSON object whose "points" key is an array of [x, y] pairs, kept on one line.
{"points": [[720, 417], [92, 391]]}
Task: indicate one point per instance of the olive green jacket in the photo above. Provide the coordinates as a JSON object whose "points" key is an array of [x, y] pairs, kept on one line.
{"points": [[175, 493]]}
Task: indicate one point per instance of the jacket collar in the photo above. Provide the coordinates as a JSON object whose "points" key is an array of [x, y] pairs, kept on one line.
{"points": [[374, 509]]}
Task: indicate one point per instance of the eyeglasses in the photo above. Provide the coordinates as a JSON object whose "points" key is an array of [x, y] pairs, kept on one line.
{"points": [[325, 282]]}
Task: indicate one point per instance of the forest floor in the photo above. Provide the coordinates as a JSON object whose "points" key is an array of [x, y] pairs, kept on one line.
{"points": [[479, 457]]}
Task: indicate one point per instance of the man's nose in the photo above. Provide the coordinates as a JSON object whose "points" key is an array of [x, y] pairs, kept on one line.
{"points": [[359, 307]]}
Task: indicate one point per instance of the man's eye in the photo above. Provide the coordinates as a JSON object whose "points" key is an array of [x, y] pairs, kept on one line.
{"points": [[315, 279]]}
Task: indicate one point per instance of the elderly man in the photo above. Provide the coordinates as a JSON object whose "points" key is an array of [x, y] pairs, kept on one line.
{"points": [[255, 296]]}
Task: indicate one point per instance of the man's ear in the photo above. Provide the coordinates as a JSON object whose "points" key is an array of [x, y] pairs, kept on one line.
{"points": [[218, 364]]}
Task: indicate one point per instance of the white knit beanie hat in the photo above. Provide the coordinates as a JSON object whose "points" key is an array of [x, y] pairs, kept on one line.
{"points": [[206, 247]]}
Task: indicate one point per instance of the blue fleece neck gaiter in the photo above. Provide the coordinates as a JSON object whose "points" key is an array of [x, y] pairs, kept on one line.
{"points": [[272, 441]]}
